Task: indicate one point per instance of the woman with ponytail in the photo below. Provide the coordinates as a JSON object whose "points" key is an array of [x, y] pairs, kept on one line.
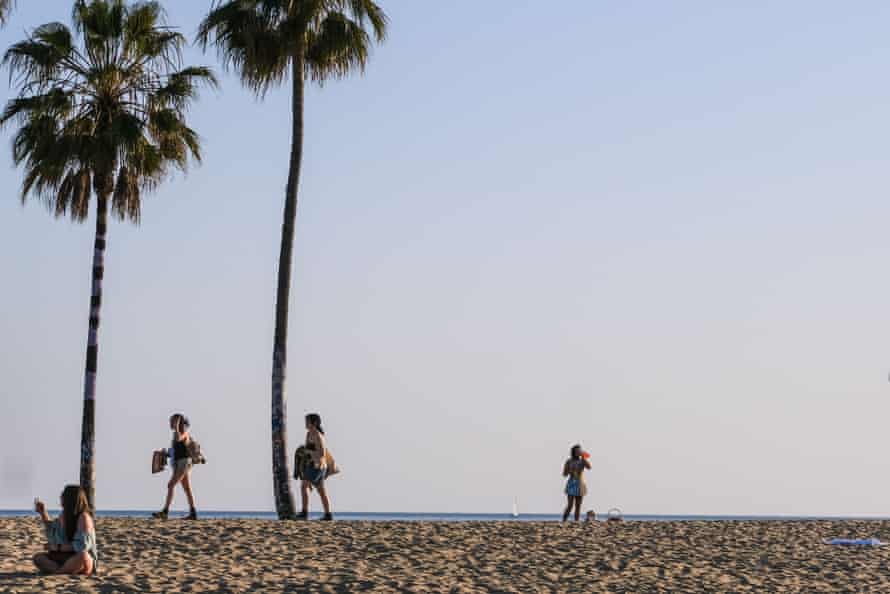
{"points": [[181, 465], [317, 469]]}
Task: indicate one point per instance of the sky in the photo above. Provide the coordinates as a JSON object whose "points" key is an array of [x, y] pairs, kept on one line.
{"points": [[655, 229]]}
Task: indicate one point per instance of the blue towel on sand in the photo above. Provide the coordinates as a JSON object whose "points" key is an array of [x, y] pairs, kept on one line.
{"points": [[858, 542]]}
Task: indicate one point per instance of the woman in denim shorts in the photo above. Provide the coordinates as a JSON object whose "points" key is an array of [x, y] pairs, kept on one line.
{"points": [[317, 468]]}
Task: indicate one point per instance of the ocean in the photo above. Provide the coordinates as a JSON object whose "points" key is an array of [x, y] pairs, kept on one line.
{"points": [[445, 517]]}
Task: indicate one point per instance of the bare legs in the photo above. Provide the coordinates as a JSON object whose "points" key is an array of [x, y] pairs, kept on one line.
{"points": [[304, 495], [80, 564], [325, 501], [185, 477], [77, 564], [305, 487], [572, 502], [187, 487], [170, 486], [45, 564]]}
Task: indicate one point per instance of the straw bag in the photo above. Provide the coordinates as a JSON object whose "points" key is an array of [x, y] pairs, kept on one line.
{"points": [[332, 467]]}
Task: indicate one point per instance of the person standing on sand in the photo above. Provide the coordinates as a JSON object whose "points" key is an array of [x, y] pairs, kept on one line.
{"points": [[181, 466], [576, 489], [317, 469], [71, 538]]}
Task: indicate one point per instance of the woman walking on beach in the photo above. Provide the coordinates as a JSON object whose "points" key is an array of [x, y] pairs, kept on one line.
{"points": [[317, 468], [576, 489], [71, 538], [181, 465]]}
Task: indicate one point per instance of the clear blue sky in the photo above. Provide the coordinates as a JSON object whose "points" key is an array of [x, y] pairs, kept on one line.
{"points": [[659, 229]]}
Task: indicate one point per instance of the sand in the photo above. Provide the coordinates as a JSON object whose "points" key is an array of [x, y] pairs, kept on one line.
{"points": [[139, 555]]}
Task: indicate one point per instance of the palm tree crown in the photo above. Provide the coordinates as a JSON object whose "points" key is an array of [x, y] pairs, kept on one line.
{"points": [[108, 116], [259, 39]]}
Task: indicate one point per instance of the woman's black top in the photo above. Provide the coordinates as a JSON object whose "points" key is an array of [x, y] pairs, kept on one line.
{"points": [[180, 451]]}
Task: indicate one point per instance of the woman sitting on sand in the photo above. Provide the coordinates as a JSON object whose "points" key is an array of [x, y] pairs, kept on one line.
{"points": [[71, 538], [575, 488], [181, 466], [317, 468]]}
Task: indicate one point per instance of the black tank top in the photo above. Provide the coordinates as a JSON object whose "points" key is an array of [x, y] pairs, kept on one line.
{"points": [[180, 451]]}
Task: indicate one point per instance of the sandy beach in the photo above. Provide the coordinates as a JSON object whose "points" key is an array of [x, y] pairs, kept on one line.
{"points": [[140, 555]]}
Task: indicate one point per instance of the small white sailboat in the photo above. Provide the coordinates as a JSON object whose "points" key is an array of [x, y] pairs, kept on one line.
{"points": [[515, 508]]}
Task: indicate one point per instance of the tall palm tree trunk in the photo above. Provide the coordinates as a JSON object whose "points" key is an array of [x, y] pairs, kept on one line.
{"points": [[284, 499], [88, 426]]}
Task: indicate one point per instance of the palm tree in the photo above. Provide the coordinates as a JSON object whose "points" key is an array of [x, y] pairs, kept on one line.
{"points": [[265, 42], [103, 119]]}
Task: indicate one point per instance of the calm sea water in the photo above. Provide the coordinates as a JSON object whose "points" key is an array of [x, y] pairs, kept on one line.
{"points": [[434, 517]]}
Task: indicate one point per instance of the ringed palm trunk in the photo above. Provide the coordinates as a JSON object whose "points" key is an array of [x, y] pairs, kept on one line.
{"points": [[284, 499], [88, 426]]}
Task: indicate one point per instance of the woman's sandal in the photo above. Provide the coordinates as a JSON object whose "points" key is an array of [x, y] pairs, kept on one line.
{"points": [[161, 515]]}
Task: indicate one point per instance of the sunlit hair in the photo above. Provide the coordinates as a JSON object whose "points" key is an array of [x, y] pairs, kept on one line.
{"points": [[314, 419], [181, 421], [74, 503]]}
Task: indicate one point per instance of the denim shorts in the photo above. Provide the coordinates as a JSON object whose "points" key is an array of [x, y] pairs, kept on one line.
{"points": [[314, 475]]}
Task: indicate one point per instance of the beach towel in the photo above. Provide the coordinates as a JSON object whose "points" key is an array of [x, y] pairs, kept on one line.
{"points": [[302, 458], [856, 542]]}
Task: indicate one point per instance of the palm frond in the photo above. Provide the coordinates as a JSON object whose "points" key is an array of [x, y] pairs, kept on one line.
{"points": [[248, 42], [38, 58], [55, 102], [103, 115], [367, 12], [259, 39], [339, 46], [182, 87]]}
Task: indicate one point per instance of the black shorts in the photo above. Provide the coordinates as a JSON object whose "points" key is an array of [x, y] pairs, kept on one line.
{"points": [[60, 557]]}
